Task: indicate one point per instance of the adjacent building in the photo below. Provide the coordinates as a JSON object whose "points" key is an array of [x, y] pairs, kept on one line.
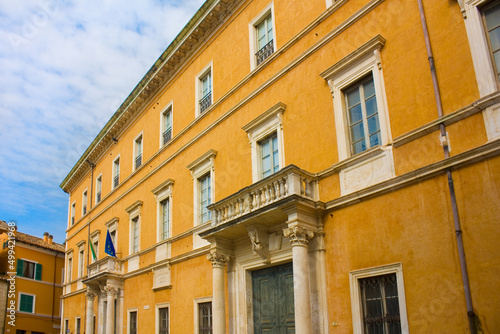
{"points": [[298, 166], [32, 272]]}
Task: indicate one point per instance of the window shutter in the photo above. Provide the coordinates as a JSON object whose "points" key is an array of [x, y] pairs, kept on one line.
{"points": [[20, 266], [38, 272]]}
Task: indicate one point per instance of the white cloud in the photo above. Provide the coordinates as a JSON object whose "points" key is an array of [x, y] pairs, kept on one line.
{"points": [[65, 67]]}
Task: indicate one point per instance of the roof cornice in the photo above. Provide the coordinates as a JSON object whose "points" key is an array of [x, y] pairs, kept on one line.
{"points": [[211, 15]]}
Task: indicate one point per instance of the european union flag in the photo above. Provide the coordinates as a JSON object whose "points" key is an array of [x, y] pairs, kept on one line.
{"points": [[109, 248]]}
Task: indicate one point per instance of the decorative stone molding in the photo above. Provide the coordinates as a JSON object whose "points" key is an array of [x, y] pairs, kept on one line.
{"points": [[110, 291], [218, 259], [298, 236]]}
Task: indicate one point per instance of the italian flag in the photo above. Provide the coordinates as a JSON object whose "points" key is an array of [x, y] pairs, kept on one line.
{"points": [[92, 250]]}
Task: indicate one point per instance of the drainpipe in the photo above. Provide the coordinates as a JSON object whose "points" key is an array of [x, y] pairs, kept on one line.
{"points": [[92, 166], [444, 140], [54, 286]]}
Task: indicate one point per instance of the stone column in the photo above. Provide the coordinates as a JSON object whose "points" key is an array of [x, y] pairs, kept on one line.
{"points": [[219, 301], [89, 324], [110, 310], [299, 238]]}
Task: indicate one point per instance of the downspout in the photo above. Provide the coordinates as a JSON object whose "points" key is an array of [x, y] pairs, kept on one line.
{"points": [[92, 166], [444, 140], [54, 286]]}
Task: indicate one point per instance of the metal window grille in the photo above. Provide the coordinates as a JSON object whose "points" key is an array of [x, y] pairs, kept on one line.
{"points": [[205, 318], [380, 304], [72, 220], [205, 102], [167, 135], [133, 322], [264, 52], [138, 161], [98, 196], [116, 180], [85, 209], [163, 320]]}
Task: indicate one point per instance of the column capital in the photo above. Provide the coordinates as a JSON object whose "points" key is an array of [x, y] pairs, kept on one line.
{"points": [[218, 259], [298, 235], [110, 291], [90, 294]]}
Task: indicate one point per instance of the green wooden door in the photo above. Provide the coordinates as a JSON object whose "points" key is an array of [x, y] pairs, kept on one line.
{"points": [[273, 309]]}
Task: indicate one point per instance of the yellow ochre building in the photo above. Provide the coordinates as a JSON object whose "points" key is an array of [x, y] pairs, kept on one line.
{"points": [[302, 167], [31, 298]]}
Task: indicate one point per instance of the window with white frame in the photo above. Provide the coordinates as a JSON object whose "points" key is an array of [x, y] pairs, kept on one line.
{"points": [[94, 239], [27, 302], [205, 318], [98, 188], [202, 171], [163, 195], [81, 258], [66, 325], [266, 140], [112, 227], [116, 172], [204, 96], [84, 203], [162, 319], [132, 321], [138, 152], [378, 300], [70, 267], [166, 125], [73, 212], [134, 212], [262, 36], [356, 82], [491, 14]]}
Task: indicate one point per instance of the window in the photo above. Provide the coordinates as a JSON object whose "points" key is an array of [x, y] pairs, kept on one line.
{"points": [[138, 152], [202, 170], [81, 262], [262, 37], [163, 194], [135, 235], [20, 331], [492, 22], [166, 125], [113, 237], [26, 303], [266, 139], [204, 96], [116, 173], [163, 320], [29, 269], [66, 325], [70, 269], [98, 188], [78, 325], [73, 209], [269, 154], [84, 203], [362, 115], [205, 318], [378, 300], [132, 322], [205, 198], [165, 218]]}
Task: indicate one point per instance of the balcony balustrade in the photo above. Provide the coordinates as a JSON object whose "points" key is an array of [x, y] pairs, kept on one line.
{"points": [[138, 161], [264, 52], [108, 265], [116, 181], [289, 181], [167, 135], [205, 102]]}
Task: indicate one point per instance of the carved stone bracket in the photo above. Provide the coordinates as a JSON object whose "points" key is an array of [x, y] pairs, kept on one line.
{"points": [[298, 236], [260, 242], [218, 259]]}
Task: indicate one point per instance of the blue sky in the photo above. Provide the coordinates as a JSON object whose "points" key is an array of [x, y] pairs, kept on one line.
{"points": [[65, 67]]}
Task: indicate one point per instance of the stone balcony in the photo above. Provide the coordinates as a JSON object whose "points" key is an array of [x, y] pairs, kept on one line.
{"points": [[107, 265], [264, 202]]}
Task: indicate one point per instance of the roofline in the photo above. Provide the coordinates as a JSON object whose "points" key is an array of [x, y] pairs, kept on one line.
{"points": [[139, 87]]}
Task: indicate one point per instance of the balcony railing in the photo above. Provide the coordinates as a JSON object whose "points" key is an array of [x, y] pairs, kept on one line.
{"points": [[205, 102], [167, 135], [109, 265], [85, 209], [289, 181], [138, 161], [72, 220], [116, 181], [98, 197], [265, 52]]}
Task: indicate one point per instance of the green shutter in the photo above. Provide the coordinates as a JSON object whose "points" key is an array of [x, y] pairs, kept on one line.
{"points": [[20, 266], [26, 303], [38, 272]]}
